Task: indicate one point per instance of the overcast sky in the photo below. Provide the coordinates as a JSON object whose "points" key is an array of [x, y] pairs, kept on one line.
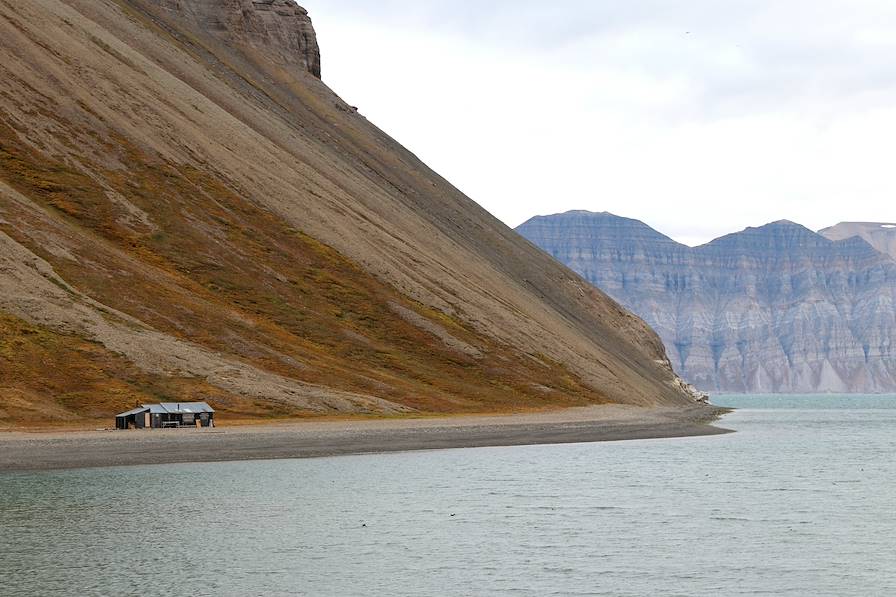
{"points": [[699, 117]]}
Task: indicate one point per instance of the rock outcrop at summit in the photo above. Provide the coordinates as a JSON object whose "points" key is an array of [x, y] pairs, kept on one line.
{"points": [[188, 213], [280, 30], [776, 308]]}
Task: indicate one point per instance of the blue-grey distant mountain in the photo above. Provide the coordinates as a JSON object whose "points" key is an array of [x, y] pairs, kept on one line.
{"points": [[777, 308]]}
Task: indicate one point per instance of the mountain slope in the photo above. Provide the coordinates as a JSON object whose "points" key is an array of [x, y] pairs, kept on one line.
{"points": [[777, 308], [188, 212], [879, 235]]}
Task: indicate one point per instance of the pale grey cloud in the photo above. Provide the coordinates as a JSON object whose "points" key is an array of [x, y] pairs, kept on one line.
{"points": [[698, 117]]}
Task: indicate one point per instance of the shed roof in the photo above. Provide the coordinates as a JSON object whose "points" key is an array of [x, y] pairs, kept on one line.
{"points": [[133, 411], [179, 407]]}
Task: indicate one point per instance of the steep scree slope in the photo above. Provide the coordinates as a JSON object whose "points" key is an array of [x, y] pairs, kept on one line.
{"points": [[188, 212]]}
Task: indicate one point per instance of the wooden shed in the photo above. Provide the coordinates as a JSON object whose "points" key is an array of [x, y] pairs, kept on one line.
{"points": [[136, 418]]}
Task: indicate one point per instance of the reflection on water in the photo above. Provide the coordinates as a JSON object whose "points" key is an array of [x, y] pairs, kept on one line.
{"points": [[799, 502]]}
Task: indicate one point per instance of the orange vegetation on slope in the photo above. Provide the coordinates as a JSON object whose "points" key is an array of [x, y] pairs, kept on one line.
{"points": [[317, 317]]}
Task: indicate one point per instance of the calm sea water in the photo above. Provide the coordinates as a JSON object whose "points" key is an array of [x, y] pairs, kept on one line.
{"points": [[799, 502]]}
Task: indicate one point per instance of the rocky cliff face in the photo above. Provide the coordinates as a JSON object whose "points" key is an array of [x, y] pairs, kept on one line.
{"points": [[280, 30], [881, 236], [188, 213], [777, 308]]}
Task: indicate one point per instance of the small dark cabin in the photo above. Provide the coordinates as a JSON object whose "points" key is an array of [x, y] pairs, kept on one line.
{"points": [[167, 414]]}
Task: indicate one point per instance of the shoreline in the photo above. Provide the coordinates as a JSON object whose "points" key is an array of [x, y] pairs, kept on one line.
{"points": [[59, 450]]}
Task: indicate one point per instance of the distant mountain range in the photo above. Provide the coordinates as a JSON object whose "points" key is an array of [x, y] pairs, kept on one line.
{"points": [[778, 308]]}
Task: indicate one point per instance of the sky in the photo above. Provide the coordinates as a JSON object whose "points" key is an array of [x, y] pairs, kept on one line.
{"points": [[699, 117]]}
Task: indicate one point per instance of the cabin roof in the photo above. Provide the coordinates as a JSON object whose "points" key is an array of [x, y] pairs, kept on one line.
{"points": [[179, 407], [165, 408]]}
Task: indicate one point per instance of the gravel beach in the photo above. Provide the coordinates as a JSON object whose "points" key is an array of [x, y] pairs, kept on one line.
{"points": [[22, 450]]}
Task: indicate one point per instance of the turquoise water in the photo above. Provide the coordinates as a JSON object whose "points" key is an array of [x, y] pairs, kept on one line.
{"points": [[799, 502], [807, 401]]}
